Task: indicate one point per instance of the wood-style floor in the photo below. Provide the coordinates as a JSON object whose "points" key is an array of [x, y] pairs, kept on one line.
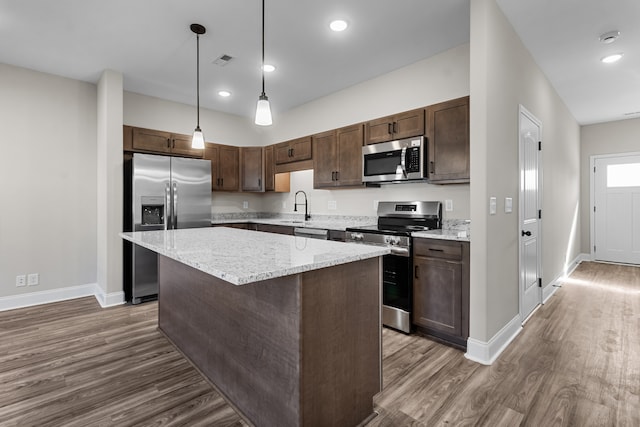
{"points": [[576, 363]]}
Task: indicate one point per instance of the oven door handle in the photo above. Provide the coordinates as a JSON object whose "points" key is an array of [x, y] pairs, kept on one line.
{"points": [[399, 251]]}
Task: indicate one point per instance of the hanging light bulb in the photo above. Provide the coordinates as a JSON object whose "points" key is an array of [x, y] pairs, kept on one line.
{"points": [[263, 109], [197, 141]]}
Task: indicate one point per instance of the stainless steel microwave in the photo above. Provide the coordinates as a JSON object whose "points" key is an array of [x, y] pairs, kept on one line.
{"points": [[395, 161]]}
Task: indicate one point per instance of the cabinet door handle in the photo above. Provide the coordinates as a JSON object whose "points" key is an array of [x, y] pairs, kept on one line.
{"points": [[259, 183], [389, 128], [395, 127], [168, 142], [337, 175], [221, 182], [173, 142], [333, 176], [436, 250], [433, 169], [415, 272], [292, 151]]}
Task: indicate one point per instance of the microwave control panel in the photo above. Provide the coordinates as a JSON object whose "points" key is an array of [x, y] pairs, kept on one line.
{"points": [[413, 159]]}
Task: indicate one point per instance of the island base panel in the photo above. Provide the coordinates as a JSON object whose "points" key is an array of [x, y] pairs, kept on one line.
{"points": [[297, 350]]}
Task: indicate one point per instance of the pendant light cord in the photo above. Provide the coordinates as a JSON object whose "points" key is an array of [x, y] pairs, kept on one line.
{"points": [[198, 79], [263, 94]]}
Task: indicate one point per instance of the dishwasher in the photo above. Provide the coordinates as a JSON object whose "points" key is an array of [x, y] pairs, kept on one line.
{"points": [[311, 233]]}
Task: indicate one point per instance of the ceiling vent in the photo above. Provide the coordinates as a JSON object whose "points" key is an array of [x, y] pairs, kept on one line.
{"points": [[223, 60]]}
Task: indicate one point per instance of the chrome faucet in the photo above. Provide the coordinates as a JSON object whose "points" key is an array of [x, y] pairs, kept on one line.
{"points": [[306, 206]]}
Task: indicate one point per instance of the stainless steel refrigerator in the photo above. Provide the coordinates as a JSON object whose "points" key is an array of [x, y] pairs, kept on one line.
{"points": [[161, 193]]}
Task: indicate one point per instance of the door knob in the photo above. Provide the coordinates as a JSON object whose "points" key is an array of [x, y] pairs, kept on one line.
{"points": [[526, 233]]}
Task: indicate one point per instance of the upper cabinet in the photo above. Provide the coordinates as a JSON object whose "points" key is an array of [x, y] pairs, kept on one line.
{"points": [[251, 169], [156, 141], [398, 126], [278, 182], [225, 171], [448, 136], [337, 157], [293, 151]]}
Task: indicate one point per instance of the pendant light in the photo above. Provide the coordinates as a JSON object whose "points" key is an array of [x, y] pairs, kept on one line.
{"points": [[198, 138], [263, 109]]}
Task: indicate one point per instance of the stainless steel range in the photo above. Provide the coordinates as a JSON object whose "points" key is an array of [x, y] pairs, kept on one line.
{"points": [[396, 222]]}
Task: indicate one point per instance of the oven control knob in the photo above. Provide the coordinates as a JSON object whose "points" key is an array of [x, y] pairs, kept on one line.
{"points": [[392, 240]]}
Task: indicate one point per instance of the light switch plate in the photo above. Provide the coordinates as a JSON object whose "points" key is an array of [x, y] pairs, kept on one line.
{"points": [[448, 205], [493, 205], [33, 279], [508, 205], [245, 205]]}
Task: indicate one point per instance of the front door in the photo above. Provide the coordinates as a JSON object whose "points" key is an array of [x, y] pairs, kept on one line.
{"points": [[529, 213], [617, 209]]}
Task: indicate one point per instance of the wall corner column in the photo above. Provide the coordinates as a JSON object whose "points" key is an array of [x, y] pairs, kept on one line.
{"points": [[109, 188]]}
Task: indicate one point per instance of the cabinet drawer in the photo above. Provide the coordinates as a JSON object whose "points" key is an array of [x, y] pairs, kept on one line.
{"points": [[435, 248]]}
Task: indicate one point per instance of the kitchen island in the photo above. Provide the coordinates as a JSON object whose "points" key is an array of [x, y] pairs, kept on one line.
{"points": [[286, 328]]}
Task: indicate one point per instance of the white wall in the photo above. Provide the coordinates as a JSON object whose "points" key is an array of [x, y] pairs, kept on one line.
{"points": [[504, 75], [604, 138], [48, 175], [439, 78]]}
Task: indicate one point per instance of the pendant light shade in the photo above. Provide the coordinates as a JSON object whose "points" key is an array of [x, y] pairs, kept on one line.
{"points": [[197, 141], [263, 109]]}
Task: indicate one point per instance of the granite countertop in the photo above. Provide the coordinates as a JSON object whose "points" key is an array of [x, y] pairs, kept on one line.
{"points": [[242, 256], [444, 234]]}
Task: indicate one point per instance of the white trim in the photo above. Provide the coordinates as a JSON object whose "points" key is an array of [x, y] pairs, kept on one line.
{"points": [[551, 288], [109, 300], [487, 352], [62, 294], [45, 297]]}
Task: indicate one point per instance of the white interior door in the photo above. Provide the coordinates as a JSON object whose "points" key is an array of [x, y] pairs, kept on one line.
{"points": [[529, 213], [617, 209]]}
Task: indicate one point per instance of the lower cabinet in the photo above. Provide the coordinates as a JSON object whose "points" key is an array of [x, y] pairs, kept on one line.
{"points": [[441, 289], [277, 229]]}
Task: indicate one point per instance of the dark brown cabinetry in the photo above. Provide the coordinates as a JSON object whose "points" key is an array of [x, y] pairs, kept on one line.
{"points": [[251, 169], [448, 135], [441, 289], [224, 166], [156, 141], [277, 229], [337, 157], [293, 151], [403, 125], [269, 169]]}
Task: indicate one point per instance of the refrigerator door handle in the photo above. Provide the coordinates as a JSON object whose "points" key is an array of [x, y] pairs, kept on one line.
{"points": [[167, 203], [175, 205]]}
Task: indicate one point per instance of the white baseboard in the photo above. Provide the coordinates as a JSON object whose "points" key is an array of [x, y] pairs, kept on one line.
{"points": [[109, 299], [487, 352], [62, 294], [552, 287]]}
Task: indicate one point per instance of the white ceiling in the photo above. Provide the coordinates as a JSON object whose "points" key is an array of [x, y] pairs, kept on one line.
{"points": [[149, 41]]}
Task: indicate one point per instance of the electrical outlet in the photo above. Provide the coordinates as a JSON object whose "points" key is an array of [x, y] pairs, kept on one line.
{"points": [[493, 205], [21, 280], [332, 205], [33, 279], [245, 205], [448, 205], [284, 205]]}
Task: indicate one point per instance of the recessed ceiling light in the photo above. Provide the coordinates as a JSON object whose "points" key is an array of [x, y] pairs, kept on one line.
{"points": [[338, 25], [609, 59], [609, 37], [268, 68], [224, 93]]}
